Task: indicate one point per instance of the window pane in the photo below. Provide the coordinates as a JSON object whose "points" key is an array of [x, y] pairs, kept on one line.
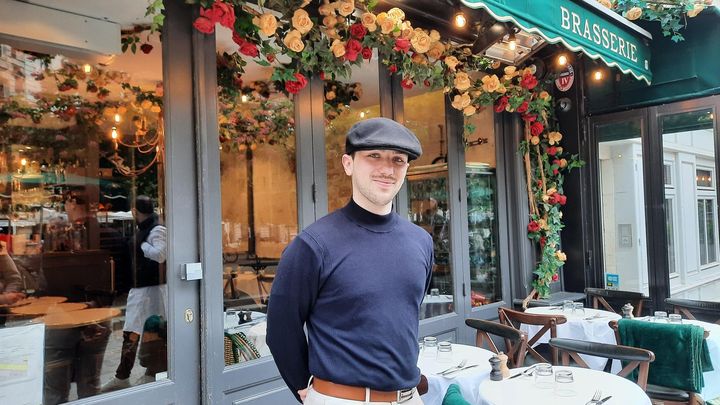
{"points": [[669, 219], [258, 196], [480, 177], [428, 197], [667, 175], [702, 232], [82, 210], [703, 178], [623, 204], [347, 101], [710, 227]]}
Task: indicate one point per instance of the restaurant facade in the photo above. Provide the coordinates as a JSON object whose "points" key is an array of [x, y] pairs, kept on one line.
{"points": [[98, 107]]}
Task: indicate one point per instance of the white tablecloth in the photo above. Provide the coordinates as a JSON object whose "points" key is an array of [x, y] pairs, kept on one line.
{"points": [[468, 380], [255, 330], [590, 326], [522, 390]]}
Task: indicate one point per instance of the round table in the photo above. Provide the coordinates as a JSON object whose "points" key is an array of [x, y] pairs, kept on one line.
{"points": [[468, 380], [43, 308], [51, 299], [522, 390], [81, 317], [590, 325]]}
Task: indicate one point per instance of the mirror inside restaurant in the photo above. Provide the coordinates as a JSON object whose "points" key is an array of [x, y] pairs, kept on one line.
{"points": [[83, 297]]}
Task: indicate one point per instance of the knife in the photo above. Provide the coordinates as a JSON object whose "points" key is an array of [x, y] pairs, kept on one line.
{"points": [[602, 401], [458, 370], [527, 371]]}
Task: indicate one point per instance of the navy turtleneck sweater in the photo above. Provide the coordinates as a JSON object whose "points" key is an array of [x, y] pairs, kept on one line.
{"points": [[356, 280]]}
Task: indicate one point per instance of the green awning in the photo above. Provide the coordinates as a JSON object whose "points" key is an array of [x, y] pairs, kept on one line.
{"points": [[582, 26]]}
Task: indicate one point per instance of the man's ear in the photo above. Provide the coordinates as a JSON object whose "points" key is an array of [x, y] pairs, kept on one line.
{"points": [[347, 162]]}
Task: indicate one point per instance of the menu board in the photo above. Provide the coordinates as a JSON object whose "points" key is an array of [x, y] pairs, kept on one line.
{"points": [[21, 364]]}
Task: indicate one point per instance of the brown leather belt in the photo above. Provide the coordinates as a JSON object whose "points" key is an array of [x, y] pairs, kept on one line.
{"points": [[358, 393]]}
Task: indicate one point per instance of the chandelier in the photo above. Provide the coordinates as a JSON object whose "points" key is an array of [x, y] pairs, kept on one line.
{"points": [[143, 139]]}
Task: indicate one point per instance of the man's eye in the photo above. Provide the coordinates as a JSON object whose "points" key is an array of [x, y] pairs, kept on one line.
{"points": [[400, 161]]}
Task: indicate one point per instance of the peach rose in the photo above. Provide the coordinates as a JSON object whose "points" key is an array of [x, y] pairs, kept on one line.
{"points": [[436, 51], [633, 14], [534, 140], [501, 89], [606, 3], [368, 20], [346, 7], [338, 48], [560, 255], [381, 17], [462, 81], [451, 62], [420, 41], [330, 95], [387, 26], [301, 21], [396, 14], [469, 110], [293, 40], [544, 95], [326, 9], [267, 24], [420, 59], [496, 64], [330, 21], [434, 35], [461, 101], [490, 83]]}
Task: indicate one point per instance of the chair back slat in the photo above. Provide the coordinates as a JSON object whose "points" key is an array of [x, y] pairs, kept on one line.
{"points": [[601, 296], [692, 309], [513, 318], [515, 340]]}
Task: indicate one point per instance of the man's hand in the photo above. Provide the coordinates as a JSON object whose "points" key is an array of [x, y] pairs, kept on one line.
{"points": [[303, 394], [11, 297]]}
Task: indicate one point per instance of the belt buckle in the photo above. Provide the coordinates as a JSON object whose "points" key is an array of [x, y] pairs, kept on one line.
{"points": [[404, 396]]}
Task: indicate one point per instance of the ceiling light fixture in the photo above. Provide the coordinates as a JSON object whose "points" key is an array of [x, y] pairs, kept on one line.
{"points": [[512, 41], [598, 75], [459, 19]]}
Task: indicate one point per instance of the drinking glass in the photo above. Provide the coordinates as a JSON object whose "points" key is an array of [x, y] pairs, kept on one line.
{"points": [[660, 316], [544, 376], [578, 308], [564, 386], [444, 352], [567, 306], [675, 318], [430, 344], [231, 318], [434, 292]]}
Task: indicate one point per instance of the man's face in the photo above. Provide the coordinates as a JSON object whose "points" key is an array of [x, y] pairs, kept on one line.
{"points": [[377, 176]]}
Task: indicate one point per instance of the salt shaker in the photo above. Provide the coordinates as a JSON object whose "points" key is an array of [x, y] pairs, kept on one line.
{"points": [[627, 311], [504, 370], [495, 373]]}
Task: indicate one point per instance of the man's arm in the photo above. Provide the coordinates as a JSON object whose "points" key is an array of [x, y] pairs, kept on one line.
{"points": [[155, 245], [293, 295]]}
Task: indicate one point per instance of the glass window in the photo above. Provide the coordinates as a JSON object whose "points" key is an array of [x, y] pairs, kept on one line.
{"points": [[707, 234], [703, 178], [82, 209], [622, 204], [428, 188], [258, 196], [670, 226], [481, 183], [667, 174]]}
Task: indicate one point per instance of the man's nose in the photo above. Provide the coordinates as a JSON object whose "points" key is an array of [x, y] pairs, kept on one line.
{"points": [[386, 166]]}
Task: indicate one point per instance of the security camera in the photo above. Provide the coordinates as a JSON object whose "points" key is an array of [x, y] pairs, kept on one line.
{"points": [[564, 104]]}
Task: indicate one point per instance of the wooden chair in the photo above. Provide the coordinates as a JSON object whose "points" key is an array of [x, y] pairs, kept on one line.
{"points": [[549, 323], [636, 357], [515, 340], [692, 308], [600, 296], [665, 395]]}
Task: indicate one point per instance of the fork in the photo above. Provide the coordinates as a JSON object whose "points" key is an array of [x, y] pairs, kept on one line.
{"points": [[459, 366], [596, 398]]}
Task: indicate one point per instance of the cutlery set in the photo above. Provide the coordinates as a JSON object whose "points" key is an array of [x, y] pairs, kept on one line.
{"points": [[460, 367]]}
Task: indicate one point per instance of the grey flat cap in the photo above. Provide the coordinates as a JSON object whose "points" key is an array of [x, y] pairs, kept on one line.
{"points": [[382, 133]]}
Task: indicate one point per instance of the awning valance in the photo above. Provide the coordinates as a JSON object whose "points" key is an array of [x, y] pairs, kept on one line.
{"points": [[583, 26]]}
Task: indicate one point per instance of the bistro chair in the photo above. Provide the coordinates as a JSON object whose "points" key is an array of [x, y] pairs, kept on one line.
{"points": [[600, 296], [636, 358], [692, 308], [549, 323], [515, 340], [656, 388]]}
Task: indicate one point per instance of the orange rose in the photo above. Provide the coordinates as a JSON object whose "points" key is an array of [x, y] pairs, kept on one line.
{"points": [[420, 41], [338, 48], [301, 21], [436, 51], [451, 62], [633, 14], [368, 21], [267, 24], [293, 40], [346, 7], [462, 81], [461, 101]]}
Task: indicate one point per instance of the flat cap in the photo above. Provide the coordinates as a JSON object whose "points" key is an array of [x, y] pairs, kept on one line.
{"points": [[382, 133]]}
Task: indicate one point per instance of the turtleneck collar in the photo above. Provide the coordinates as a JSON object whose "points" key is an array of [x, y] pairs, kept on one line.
{"points": [[369, 220], [147, 222]]}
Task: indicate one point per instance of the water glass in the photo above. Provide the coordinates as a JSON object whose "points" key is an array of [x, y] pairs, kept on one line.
{"points": [[675, 318], [434, 292], [430, 345], [579, 307], [544, 376], [660, 316], [231, 318], [567, 306], [444, 352], [564, 383]]}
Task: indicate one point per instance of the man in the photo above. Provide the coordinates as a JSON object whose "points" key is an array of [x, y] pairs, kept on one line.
{"points": [[149, 295], [355, 279]]}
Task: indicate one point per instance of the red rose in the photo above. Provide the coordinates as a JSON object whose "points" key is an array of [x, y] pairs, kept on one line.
{"points": [[552, 151], [402, 45], [322, 75], [426, 83], [533, 227], [528, 81], [551, 199], [555, 277], [561, 199], [529, 117], [407, 83], [204, 25], [358, 31], [367, 53], [294, 86], [146, 48], [270, 57], [392, 69], [556, 172], [543, 241], [523, 107], [246, 47], [237, 80], [222, 13], [536, 128], [501, 104]]}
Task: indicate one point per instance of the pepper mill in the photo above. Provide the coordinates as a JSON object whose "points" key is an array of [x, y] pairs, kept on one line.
{"points": [[495, 373], [504, 370], [627, 311]]}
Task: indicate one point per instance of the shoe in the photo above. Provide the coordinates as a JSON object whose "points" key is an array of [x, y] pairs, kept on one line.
{"points": [[116, 384], [144, 380]]}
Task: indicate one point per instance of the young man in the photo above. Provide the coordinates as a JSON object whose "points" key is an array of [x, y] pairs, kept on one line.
{"points": [[355, 279]]}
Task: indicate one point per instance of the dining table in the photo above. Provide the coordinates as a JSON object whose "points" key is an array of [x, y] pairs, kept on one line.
{"points": [[585, 382], [467, 379], [255, 330], [590, 325]]}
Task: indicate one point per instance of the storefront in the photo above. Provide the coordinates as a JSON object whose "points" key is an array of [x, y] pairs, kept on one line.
{"points": [[235, 168]]}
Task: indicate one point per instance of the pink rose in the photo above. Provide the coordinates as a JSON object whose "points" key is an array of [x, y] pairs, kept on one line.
{"points": [[294, 86], [204, 25], [223, 13], [402, 45]]}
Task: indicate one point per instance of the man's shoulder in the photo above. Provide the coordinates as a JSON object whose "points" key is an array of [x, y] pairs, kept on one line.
{"points": [[407, 226]]}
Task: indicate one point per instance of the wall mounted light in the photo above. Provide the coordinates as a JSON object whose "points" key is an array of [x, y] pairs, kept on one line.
{"points": [[562, 60], [459, 19], [512, 41], [117, 118], [598, 75]]}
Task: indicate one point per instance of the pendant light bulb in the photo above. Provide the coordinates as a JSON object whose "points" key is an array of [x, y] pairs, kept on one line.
{"points": [[113, 133], [117, 118], [512, 41], [459, 19], [87, 68], [598, 75], [244, 98], [23, 161]]}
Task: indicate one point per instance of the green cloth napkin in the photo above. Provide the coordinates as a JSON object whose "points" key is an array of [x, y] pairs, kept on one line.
{"points": [[681, 352], [453, 396]]}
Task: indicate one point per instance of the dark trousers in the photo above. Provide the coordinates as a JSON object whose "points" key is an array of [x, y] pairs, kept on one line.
{"points": [[127, 356], [74, 354]]}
